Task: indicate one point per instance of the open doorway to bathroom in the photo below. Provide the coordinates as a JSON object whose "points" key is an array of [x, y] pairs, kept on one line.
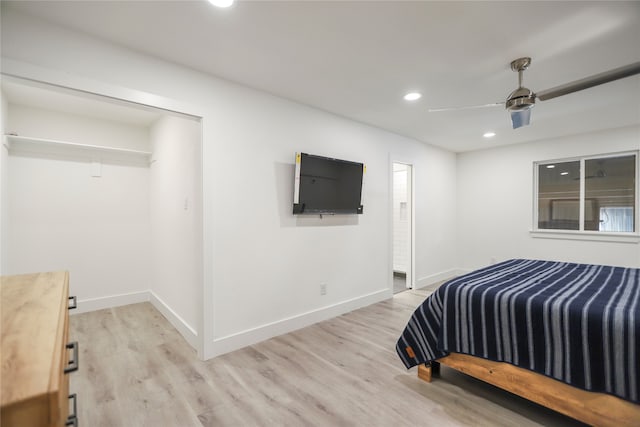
{"points": [[402, 227]]}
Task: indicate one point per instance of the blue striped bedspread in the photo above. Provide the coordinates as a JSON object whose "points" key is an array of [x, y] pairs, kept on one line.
{"points": [[577, 323]]}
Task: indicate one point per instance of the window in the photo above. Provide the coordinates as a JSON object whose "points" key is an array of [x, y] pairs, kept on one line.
{"points": [[595, 194]]}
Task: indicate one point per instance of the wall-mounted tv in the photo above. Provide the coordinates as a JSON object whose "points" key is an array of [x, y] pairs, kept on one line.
{"points": [[327, 186]]}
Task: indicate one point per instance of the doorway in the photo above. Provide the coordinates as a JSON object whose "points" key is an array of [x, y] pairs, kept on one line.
{"points": [[402, 211]]}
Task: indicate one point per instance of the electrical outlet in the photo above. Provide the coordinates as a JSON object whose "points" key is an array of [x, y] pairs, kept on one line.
{"points": [[323, 288]]}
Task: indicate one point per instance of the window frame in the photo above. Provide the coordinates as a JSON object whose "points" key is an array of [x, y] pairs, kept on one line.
{"points": [[581, 233]]}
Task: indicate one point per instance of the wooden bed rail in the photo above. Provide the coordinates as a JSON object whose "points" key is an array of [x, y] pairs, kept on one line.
{"points": [[597, 409]]}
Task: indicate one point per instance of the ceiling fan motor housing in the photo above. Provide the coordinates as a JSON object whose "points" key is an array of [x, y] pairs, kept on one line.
{"points": [[520, 99]]}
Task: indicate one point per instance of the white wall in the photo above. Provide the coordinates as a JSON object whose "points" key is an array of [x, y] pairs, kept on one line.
{"points": [[263, 266], [175, 209], [4, 159], [435, 216], [270, 263], [60, 217], [495, 202]]}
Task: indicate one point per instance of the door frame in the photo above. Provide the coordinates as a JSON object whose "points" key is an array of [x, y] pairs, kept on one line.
{"points": [[411, 282]]}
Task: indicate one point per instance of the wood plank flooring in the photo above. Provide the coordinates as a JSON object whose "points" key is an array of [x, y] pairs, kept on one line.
{"points": [[136, 370]]}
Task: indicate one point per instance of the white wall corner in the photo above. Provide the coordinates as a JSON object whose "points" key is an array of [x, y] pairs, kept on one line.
{"points": [[252, 336], [187, 332], [93, 304]]}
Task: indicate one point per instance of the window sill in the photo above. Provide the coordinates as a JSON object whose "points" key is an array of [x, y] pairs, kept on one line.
{"points": [[594, 236]]}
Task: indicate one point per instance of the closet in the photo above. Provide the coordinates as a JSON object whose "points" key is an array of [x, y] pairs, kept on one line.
{"points": [[110, 192]]}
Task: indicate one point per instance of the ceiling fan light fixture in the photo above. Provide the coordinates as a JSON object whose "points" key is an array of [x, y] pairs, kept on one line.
{"points": [[520, 102], [520, 118]]}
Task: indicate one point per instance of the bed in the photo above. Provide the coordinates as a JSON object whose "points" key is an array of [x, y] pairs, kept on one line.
{"points": [[564, 335]]}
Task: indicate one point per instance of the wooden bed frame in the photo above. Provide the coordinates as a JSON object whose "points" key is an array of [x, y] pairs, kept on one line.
{"points": [[596, 409]]}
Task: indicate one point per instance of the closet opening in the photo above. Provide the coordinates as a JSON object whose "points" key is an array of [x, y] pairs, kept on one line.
{"points": [[109, 190]]}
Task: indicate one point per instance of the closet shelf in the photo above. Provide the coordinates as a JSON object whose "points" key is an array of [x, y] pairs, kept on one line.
{"points": [[28, 144]]}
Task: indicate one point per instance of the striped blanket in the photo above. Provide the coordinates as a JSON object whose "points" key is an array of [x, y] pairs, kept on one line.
{"points": [[577, 323]]}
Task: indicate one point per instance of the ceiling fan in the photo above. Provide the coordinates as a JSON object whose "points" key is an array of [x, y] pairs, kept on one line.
{"points": [[520, 102]]}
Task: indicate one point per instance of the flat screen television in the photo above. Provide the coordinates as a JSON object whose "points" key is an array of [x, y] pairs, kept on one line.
{"points": [[327, 186]]}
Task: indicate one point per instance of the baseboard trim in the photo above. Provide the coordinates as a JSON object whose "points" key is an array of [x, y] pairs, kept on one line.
{"points": [[93, 304], [188, 333], [438, 277], [252, 336]]}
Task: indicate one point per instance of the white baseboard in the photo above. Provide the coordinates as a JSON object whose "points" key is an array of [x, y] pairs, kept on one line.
{"points": [[238, 340], [93, 304], [189, 334], [438, 277]]}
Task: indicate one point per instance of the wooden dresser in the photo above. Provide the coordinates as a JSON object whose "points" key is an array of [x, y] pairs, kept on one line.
{"points": [[35, 351]]}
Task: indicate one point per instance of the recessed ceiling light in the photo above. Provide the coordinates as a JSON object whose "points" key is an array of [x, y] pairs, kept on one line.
{"points": [[489, 134], [564, 173], [551, 166], [221, 3], [412, 96]]}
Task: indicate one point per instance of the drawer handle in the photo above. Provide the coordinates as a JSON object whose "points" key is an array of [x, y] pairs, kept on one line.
{"points": [[73, 302], [73, 363], [72, 420]]}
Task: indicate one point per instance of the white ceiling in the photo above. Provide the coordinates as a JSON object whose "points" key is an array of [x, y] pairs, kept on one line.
{"points": [[356, 59]]}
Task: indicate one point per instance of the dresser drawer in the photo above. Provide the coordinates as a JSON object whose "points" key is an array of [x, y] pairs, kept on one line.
{"points": [[35, 333]]}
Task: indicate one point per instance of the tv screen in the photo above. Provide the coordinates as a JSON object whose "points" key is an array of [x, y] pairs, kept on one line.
{"points": [[326, 185]]}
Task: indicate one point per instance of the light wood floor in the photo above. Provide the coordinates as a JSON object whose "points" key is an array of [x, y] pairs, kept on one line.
{"points": [[136, 370]]}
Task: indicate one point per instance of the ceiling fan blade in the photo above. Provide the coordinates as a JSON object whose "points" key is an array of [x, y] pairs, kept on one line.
{"points": [[591, 81], [520, 118], [468, 107]]}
